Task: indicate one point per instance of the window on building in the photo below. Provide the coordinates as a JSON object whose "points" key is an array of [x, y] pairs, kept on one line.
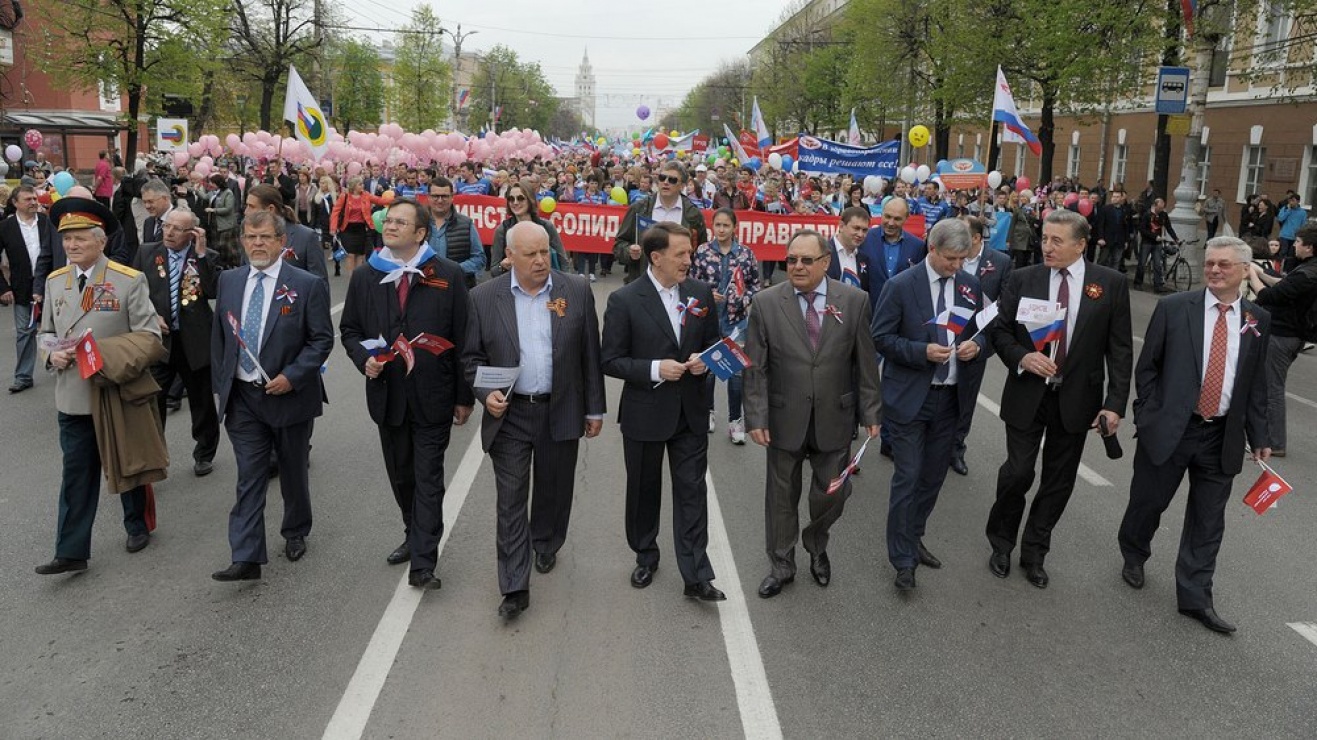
{"points": [[978, 152], [1072, 162], [1118, 162], [1273, 31], [1019, 160], [1204, 168], [1310, 192], [1250, 175]]}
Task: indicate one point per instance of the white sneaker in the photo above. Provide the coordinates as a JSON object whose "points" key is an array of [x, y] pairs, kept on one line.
{"points": [[736, 430], [712, 423], [592, 277]]}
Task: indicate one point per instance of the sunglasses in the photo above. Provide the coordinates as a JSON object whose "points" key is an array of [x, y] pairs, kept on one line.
{"points": [[517, 199], [669, 179], [806, 261]]}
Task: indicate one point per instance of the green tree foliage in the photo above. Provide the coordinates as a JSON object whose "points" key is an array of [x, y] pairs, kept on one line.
{"points": [[355, 84], [270, 35], [519, 88], [128, 46], [422, 90], [717, 99]]}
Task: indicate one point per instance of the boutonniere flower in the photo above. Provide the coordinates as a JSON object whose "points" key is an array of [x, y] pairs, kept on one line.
{"points": [[558, 306], [1093, 291], [691, 306], [832, 311], [967, 293], [286, 294], [288, 254], [1250, 324], [988, 268]]}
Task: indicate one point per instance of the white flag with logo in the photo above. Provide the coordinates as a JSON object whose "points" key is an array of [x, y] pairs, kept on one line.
{"points": [[303, 113]]}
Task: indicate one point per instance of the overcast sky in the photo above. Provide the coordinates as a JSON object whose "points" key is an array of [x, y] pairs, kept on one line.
{"points": [[650, 53]]}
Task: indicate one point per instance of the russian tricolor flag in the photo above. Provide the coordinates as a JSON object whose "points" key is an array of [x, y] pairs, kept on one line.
{"points": [[954, 319], [1053, 331], [1004, 112]]}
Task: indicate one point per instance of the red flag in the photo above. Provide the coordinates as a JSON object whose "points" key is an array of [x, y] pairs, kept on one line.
{"points": [[1266, 490], [89, 356], [435, 345], [738, 281], [404, 350], [749, 143]]}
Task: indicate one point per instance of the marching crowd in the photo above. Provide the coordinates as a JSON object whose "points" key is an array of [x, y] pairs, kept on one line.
{"points": [[224, 292]]}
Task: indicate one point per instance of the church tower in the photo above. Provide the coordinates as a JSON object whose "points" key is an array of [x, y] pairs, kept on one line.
{"points": [[585, 91]]}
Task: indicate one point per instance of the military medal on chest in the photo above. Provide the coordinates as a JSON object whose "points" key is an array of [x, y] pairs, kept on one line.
{"points": [[189, 289]]}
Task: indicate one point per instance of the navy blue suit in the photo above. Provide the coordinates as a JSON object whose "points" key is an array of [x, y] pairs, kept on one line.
{"points": [[296, 339], [991, 272], [920, 413], [910, 250], [861, 265]]}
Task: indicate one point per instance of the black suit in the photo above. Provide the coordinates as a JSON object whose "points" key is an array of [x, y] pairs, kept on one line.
{"points": [[1100, 352], [414, 412], [188, 339], [1173, 438], [121, 205], [22, 271], [991, 271], [672, 418]]}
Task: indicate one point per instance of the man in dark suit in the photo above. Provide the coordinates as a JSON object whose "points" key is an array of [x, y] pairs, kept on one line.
{"points": [[121, 205], [654, 329], [557, 397], [302, 248], [924, 366], [990, 267], [668, 205], [1059, 396], [158, 201], [849, 263], [181, 275], [271, 334], [1202, 393], [23, 238], [890, 249], [1114, 230], [405, 290], [814, 375]]}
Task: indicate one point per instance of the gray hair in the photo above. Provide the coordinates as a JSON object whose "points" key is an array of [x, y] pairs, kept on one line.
{"points": [[1243, 252], [265, 218], [1077, 223], [950, 237], [192, 220], [155, 187]]}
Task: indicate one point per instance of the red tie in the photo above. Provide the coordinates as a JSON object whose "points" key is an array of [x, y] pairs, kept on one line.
{"points": [[1209, 398], [813, 325], [404, 287], [1063, 298]]}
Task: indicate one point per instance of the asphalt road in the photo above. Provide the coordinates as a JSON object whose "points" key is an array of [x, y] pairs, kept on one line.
{"points": [[147, 645]]}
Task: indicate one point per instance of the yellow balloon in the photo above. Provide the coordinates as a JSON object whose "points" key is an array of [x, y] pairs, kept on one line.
{"points": [[54, 196], [919, 136], [736, 162], [547, 204], [673, 132], [635, 151]]}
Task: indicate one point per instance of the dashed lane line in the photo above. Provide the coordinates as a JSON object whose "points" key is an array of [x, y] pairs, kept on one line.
{"points": [[1088, 474]]}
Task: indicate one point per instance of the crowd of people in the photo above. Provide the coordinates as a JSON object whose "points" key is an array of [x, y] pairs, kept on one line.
{"points": [[225, 288]]}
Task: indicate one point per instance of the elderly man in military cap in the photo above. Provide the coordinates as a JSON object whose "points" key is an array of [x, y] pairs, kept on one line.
{"points": [[90, 292]]}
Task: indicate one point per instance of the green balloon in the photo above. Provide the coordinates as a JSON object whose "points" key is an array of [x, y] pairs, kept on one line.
{"points": [[379, 220], [711, 159]]}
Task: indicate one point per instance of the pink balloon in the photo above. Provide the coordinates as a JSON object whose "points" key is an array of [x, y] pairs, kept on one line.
{"points": [[233, 140], [202, 169], [195, 149], [1085, 207], [1022, 183], [180, 159], [354, 169], [1071, 198], [208, 161]]}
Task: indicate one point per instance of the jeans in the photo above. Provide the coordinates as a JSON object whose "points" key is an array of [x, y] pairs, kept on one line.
{"points": [[26, 344], [583, 259], [1153, 247], [734, 386]]}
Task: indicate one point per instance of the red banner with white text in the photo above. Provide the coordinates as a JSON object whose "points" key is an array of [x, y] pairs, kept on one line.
{"points": [[593, 229]]}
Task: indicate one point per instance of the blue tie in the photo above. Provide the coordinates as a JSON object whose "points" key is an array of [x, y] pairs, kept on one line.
{"points": [[175, 270], [251, 324], [944, 369]]}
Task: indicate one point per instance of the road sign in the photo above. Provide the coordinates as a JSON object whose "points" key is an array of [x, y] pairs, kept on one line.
{"points": [[1172, 90]]}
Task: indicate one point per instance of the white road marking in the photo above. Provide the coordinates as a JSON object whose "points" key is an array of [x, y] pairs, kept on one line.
{"points": [[1291, 396], [754, 697], [354, 709], [1307, 629], [336, 310], [1088, 474]]}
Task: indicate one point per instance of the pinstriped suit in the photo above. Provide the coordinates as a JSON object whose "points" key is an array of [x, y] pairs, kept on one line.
{"points": [[539, 439]]}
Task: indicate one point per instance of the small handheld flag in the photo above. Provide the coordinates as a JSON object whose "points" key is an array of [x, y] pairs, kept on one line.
{"points": [[90, 360], [237, 334], [1266, 490], [836, 484], [725, 359]]}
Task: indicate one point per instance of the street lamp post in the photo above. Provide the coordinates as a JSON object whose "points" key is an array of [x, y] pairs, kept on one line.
{"points": [[458, 37], [1184, 217]]}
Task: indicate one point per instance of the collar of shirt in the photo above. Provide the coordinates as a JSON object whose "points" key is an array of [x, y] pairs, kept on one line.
{"points": [[27, 224], [518, 290], [1076, 273], [1212, 302], [272, 271], [972, 264], [933, 277], [674, 293], [841, 248], [821, 289]]}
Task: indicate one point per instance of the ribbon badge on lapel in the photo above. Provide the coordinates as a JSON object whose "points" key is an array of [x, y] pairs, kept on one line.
{"points": [[689, 307], [1250, 324], [288, 296], [832, 311], [288, 255], [558, 306], [430, 281], [988, 268], [967, 293], [1093, 291]]}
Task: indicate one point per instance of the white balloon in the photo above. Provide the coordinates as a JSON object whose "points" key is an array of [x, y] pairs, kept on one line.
{"points": [[923, 172], [994, 179], [871, 184], [775, 161], [909, 174]]}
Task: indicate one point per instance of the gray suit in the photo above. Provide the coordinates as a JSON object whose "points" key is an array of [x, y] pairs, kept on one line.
{"points": [[807, 399], [545, 431]]}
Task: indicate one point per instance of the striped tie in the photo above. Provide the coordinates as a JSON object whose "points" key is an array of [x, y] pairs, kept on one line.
{"points": [[175, 271]]}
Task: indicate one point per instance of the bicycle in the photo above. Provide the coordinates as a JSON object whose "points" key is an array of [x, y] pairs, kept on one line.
{"points": [[1179, 274]]}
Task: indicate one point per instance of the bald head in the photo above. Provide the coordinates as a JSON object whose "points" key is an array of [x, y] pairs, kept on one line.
{"points": [[78, 191], [527, 236], [528, 250], [895, 212]]}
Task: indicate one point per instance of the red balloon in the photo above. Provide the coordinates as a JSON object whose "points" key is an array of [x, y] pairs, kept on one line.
{"points": [[661, 141], [1085, 207], [1021, 184]]}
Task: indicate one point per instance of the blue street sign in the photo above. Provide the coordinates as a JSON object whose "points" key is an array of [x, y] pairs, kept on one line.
{"points": [[1172, 90]]}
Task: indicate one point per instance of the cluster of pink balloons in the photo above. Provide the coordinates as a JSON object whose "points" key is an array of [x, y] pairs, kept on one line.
{"points": [[390, 145]]}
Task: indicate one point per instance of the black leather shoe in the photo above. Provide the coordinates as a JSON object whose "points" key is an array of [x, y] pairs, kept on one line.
{"points": [[772, 586], [821, 568], [424, 579], [203, 468], [239, 572], [643, 575], [928, 558], [295, 548], [1035, 574], [905, 579], [958, 465], [173, 404], [401, 554], [513, 604], [885, 450], [60, 565], [1210, 620], [1133, 574], [704, 591], [137, 542], [1000, 564], [19, 387], [544, 561]]}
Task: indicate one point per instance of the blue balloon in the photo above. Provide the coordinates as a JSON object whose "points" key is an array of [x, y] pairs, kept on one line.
{"points": [[63, 182], [787, 162]]}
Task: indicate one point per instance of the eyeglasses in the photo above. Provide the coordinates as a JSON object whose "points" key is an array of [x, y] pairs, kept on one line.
{"points": [[1223, 264], [669, 179], [261, 238], [399, 222], [517, 199], [806, 261]]}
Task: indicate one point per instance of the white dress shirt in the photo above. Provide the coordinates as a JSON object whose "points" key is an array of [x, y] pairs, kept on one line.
{"points": [[271, 275], [31, 238], [663, 213], [846, 260], [820, 300], [670, 298], [535, 337], [1234, 325], [971, 265], [949, 296]]}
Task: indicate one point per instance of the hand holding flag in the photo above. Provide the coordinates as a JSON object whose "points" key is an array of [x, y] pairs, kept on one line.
{"points": [[90, 360], [1266, 490], [836, 484]]}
